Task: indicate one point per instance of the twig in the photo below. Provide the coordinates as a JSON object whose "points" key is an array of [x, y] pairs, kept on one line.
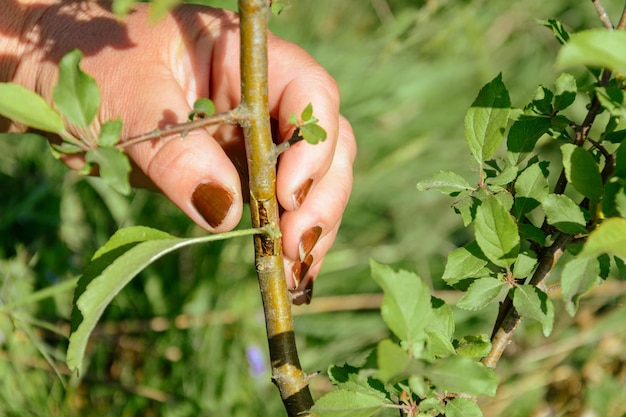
{"points": [[622, 21], [604, 17], [282, 147], [231, 117], [287, 373]]}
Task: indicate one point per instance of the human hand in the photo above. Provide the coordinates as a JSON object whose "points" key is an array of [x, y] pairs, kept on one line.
{"points": [[150, 75]]}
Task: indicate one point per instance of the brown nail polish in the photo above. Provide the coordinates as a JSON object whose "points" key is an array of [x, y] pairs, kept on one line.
{"points": [[213, 202], [308, 240], [304, 293], [301, 193]]}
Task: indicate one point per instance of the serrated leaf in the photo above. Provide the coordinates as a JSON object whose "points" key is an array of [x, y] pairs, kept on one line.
{"points": [[112, 267], [114, 167], [27, 107], [581, 170], [558, 30], [406, 304], [487, 119], [612, 99], [579, 276], [480, 293], [110, 132], [313, 133], [463, 263], [462, 407], [344, 403], [609, 237], [477, 379], [531, 302], [564, 214], [524, 264], [202, 106], [392, 360], [523, 136], [307, 113], [440, 329], [466, 207], [542, 101], [565, 89], [496, 232], [474, 346], [531, 187], [76, 93], [598, 48], [445, 182]]}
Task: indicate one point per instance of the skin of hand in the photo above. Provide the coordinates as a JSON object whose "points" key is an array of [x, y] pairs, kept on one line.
{"points": [[150, 74]]}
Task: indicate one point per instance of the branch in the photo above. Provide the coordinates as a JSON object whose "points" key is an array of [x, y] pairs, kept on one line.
{"points": [[231, 117], [287, 373], [604, 17]]}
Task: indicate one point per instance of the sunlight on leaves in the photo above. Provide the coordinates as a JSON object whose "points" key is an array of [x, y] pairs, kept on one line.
{"points": [[597, 48], [27, 107]]}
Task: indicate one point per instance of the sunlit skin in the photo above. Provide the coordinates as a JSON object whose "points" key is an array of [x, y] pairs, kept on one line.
{"points": [[151, 73]]}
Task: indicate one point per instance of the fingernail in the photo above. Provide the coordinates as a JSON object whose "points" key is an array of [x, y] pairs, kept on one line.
{"points": [[300, 269], [303, 294], [213, 202], [308, 240], [300, 194]]}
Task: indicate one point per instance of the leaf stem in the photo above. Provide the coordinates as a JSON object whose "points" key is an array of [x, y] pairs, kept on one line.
{"points": [[604, 17]]}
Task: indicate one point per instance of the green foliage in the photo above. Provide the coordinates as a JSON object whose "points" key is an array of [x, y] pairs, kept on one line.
{"points": [[24, 106], [307, 126]]}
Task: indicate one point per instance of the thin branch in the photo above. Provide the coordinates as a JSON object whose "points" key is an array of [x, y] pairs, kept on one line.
{"points": [[233, 116], [604, 17], [287, 373], [282, 147], [622, 21]]}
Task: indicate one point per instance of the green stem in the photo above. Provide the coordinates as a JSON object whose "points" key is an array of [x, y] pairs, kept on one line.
{"points": [[40, 295]]}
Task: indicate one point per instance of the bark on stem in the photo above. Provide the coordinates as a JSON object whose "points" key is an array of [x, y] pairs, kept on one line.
{"points": [[287, 373]]}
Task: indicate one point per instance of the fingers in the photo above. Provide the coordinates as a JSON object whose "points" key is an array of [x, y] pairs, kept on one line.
{"points": [[309, 231]]}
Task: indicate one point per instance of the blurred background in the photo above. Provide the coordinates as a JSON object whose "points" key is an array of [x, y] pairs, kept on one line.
{"points": [[186, 337]]}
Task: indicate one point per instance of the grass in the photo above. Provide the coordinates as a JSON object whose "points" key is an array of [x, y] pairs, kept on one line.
{"points": [[176, 341]]}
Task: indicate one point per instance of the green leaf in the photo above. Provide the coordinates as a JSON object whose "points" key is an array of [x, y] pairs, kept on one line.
{"points": [[463, 263], [476, 378], [524, 265], [406, 302], [114, 167], [202, 107], [440, 329], [480, 293], [110, 132], [542, 101], [122, 7], [307, 113], [474, 346], [278, 6], [466, 207], [344, 403], [313, 133], [487, 119], [112, 267], [564, 214], [462, 407], [496, 232], [533, 303], [609, 237], [523, 136], [558, 30], [598, 48], [76, 93], [27, 107], [392, 360], [65, 148], [531, 187], [578, 276], [566, 89], [612, 99], [445, 182], [581, 170]]}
